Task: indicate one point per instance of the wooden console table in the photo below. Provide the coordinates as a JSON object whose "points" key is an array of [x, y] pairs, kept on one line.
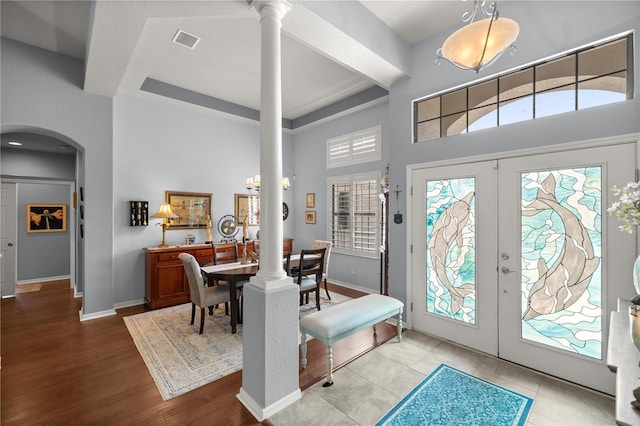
{"points": [[165, 281], [623, 359]]}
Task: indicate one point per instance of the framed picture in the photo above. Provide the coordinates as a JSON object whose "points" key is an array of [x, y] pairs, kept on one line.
{"points": [[46, 217], [310, 216], [247, 207], [192, 209], [311, 200], [139, 213]]}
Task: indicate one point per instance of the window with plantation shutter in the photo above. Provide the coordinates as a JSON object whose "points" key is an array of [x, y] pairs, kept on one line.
{"points": [[357, 147], [353, 214]]}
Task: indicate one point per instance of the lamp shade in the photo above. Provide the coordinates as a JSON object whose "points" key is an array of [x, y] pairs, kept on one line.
{"points": [[466, 47], [165, 212]]}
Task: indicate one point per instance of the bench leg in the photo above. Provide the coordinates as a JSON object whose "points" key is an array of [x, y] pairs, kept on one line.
{"points": [[303, 347], [400, 326], [329, 381]]}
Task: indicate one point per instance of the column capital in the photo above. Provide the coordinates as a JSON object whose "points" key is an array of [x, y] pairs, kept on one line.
{"points": [[271, 8]]}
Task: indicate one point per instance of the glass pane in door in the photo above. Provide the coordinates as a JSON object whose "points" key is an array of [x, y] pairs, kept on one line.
{"points": [[451, 248], [561, 225]]}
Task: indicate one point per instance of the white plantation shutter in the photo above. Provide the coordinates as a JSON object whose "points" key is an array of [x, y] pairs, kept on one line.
{"points": [[358, 147], [353, 212]]}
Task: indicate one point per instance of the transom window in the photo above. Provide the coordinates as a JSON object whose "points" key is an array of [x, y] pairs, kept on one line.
{"points": [[353, 214], [597, 75]]}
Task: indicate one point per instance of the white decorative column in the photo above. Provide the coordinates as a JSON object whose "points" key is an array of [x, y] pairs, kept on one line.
{"points": [[270, 300]]}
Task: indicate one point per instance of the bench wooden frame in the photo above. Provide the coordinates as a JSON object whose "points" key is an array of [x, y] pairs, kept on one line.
{"points": [[340, 321]]}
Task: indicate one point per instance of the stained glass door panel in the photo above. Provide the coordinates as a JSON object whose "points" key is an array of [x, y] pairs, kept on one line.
{"points": [[451, 247], [561, 248]]}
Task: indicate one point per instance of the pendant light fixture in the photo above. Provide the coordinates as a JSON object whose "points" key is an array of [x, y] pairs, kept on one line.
{"points": [[479, 43]]}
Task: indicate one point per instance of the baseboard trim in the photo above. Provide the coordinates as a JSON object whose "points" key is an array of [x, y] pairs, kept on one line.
{"points": [[128, 304], [264, 413], [44, 280], [353, 287], [96, 315]]}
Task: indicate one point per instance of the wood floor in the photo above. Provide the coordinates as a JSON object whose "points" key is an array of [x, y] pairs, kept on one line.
{"points": [[56, 370]]}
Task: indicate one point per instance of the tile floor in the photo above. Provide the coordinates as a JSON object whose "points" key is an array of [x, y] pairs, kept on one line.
{"points": [[368, 387]]}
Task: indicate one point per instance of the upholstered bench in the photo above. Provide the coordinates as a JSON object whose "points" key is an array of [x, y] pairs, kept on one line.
{"points": [[337, 322]]}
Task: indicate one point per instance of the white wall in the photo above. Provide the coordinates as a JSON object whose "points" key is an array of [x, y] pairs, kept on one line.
{"points": [[160, 147], [312, 173], [42, 93]]}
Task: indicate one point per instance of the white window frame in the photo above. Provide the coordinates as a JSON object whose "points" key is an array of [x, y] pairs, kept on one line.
{"points": [[374, 229], [358, 147]]}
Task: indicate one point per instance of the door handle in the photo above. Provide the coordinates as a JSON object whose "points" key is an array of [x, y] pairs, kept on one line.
{"points": [[10, 244], [506, 270]]}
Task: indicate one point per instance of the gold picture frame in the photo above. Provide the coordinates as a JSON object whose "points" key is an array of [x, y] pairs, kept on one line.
{"points": [[46, 218], [247, 206], [192, 209], [310, 217], [311, 200]]}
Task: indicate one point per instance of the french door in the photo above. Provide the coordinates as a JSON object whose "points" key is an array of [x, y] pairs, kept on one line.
{"points": [[517, 258]]}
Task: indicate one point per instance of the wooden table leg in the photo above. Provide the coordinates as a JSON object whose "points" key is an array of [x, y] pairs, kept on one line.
{"points": [[234, 306]]}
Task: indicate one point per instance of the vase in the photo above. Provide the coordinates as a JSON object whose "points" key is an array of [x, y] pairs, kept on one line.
{"points": [[636, 275], [634, 327]]}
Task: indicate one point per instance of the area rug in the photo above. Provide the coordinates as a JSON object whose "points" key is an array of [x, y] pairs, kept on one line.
{"points": [[452, 397], [179, 359]]}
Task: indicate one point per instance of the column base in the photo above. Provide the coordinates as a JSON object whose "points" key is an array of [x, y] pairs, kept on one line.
{"points": [[263, 413]]}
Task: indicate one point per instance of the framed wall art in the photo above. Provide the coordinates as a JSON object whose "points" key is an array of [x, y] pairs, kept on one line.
{"points": [[247, 206], [46, 218], [311, 200], [139, 213], [192, 209], [310, 216]]}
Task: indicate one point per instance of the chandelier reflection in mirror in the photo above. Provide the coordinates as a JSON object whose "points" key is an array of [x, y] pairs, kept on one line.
{"points": [[481, 42]]}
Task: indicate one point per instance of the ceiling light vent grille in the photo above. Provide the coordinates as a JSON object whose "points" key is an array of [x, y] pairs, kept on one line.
{"points": [[186, 39]]}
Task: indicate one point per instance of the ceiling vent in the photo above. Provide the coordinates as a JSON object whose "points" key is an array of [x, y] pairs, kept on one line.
{"points": [[186, 39]]}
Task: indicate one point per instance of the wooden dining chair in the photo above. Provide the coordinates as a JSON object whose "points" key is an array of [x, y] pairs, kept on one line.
{"points": [[225, 252], [324, 244], [308, 274]]}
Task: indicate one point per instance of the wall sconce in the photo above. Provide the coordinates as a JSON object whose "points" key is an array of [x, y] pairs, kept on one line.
{"points": [[164, 213], [253, 184]]}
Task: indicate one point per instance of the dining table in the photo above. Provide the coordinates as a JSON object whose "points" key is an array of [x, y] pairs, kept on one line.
{"points": [[236, 274]]}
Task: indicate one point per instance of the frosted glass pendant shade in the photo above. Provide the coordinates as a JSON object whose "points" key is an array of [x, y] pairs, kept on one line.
{"points": [[466, 47]]}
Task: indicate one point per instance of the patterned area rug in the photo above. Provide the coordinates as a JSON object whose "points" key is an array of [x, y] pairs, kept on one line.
{"points": [[452, 397], [179, 359]]}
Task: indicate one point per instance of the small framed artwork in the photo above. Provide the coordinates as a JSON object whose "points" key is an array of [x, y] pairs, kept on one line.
{"points": [[310, 216], [311, 200], [139, 213], [192, 209], [46, 218]]}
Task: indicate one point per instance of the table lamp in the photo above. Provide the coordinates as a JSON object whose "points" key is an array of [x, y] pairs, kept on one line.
{"points": [[164, 213]]}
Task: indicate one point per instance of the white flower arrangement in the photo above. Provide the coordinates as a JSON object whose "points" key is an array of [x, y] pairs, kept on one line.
{"points": [[627, 209]]}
